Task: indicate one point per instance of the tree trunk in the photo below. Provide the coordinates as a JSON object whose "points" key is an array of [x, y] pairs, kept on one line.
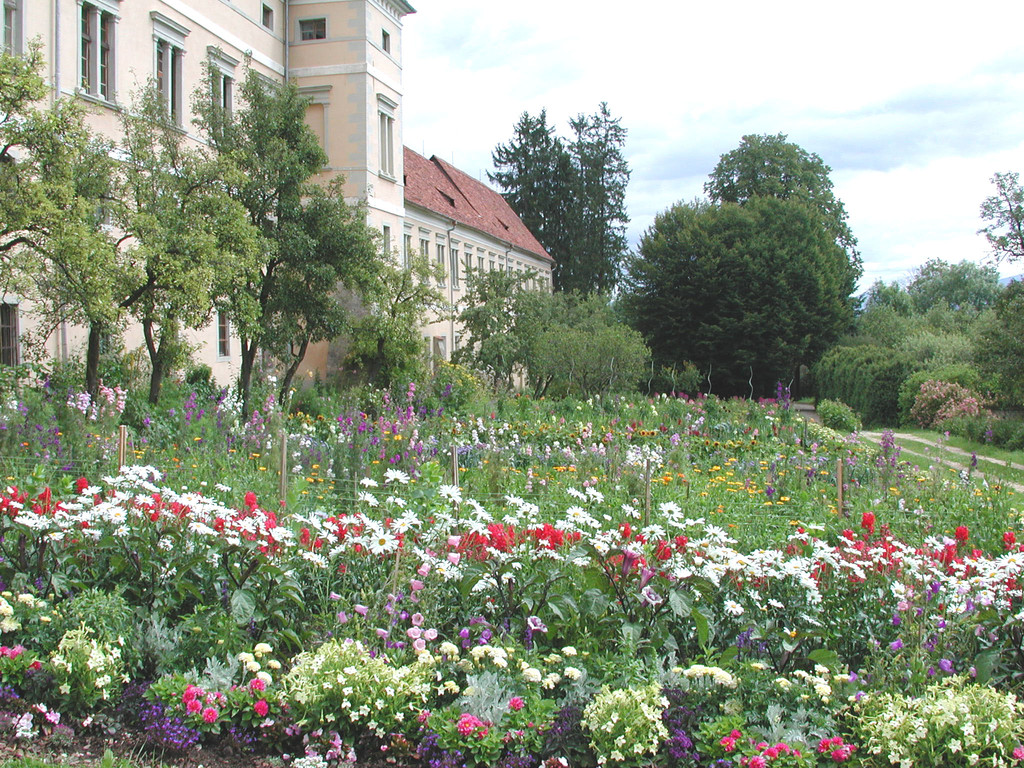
{"points": [[92, 360], [289, 375], [249, 350]]}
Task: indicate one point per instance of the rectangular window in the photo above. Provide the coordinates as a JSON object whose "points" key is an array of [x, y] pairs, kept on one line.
{"points": [[385, 40], [9, 353], [97, 42], [386, 231], [387, 145], [455, 268], [223, 335], [268, 16], [424, 248], [312, 29], [169, 56], [440, 261], [12, 26], [407, 251], [168, 77]]}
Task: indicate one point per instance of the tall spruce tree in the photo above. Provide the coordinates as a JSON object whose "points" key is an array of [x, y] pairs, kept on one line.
{"points": [[571, 194]]}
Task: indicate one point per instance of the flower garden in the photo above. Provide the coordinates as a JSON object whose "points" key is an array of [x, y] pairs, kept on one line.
{"points": [[625, 582]]}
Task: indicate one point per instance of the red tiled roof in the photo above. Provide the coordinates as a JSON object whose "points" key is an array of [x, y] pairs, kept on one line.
{"points": [[444, 189]]}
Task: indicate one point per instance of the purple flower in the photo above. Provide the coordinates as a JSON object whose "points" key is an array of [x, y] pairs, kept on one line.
{"points": [[896, 644], [534, 624], [946, 666], [649, 597]]}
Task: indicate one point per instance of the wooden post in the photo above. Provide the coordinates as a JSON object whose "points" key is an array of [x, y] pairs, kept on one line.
{"points": [[839, 487], [283, 480], [647, 493], [455, 466], [122, 447]]}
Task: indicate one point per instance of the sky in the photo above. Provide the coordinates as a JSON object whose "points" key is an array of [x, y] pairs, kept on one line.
{"points": [[913, 105]]}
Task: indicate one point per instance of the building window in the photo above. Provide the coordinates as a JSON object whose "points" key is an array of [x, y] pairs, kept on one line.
{"points": [[222, 78], [385, 40], [424, 248], [169, 53], [386, 231], [480, 264], [223, 335], [407, 251], [9, 353], [268, 16], [312, 29], [454, 258], [12, 26], [97, 41], [387, 145], [440, 261]]}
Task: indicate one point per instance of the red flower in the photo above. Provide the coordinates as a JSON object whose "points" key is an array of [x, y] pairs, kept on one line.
{"points": [[81, 484], [516, 703], [1009, 539], [250, 500], [261, 707], [962, 533], [210, 715], [867, 522]]}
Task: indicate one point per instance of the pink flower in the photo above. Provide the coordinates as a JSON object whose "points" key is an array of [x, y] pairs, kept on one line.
{"points": [[728, 742], [419, 644], [1018, 752], [417, 619], [431, 634], [362, 610], [261, 707], [757, 762], [516, 703], [257, 685], [416, 585], [193, 706], [210, 715]]}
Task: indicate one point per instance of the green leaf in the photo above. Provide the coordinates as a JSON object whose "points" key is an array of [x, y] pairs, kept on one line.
{"points": [[825, 657], [243, 607], [701, 621]]}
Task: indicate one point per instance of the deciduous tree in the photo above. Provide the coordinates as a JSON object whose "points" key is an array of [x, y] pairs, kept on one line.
{"points": [[1005, 212]]}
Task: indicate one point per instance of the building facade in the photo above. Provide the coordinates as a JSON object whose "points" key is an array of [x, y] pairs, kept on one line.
{"points": [[344, 55]]}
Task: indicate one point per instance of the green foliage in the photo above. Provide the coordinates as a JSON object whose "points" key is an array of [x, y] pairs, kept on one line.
{"points": [[455, 388], [571, 195], [690, 291], [867, 378], [386, 341], [838, 416], [1000, 349], [964, 286], [771, 166]]}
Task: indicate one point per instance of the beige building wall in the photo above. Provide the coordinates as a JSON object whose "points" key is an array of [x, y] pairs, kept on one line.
{"points": [[344, 54]]}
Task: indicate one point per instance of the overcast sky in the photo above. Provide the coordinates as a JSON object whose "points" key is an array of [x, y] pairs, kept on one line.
{"points": [[913, 105]]}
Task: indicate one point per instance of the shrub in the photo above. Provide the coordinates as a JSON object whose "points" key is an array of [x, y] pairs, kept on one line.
{"points": [[867, 378], [625, 725], [939, 401], [953, 723], [837, 415]]}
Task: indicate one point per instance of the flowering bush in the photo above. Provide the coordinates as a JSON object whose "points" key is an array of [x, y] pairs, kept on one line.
{"points": [[625, 724], [953, 723], [87, 670], [342, 685], [939, 401]]}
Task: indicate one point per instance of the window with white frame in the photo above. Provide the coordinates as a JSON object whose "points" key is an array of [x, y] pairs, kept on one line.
{"points": [[386, 232], [10, 353], [268, 16], [385, 40], [454, 259], [386, 109], [222, 78], [169, 55], [407, 251], [12, 26], [97, 33], [440, 261]]}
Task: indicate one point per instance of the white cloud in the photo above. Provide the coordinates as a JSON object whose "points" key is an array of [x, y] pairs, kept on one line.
{"points": [[912, 106]]}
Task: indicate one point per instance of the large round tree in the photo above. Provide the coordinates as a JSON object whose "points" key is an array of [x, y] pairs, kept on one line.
{"points": [[746, 291]]}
